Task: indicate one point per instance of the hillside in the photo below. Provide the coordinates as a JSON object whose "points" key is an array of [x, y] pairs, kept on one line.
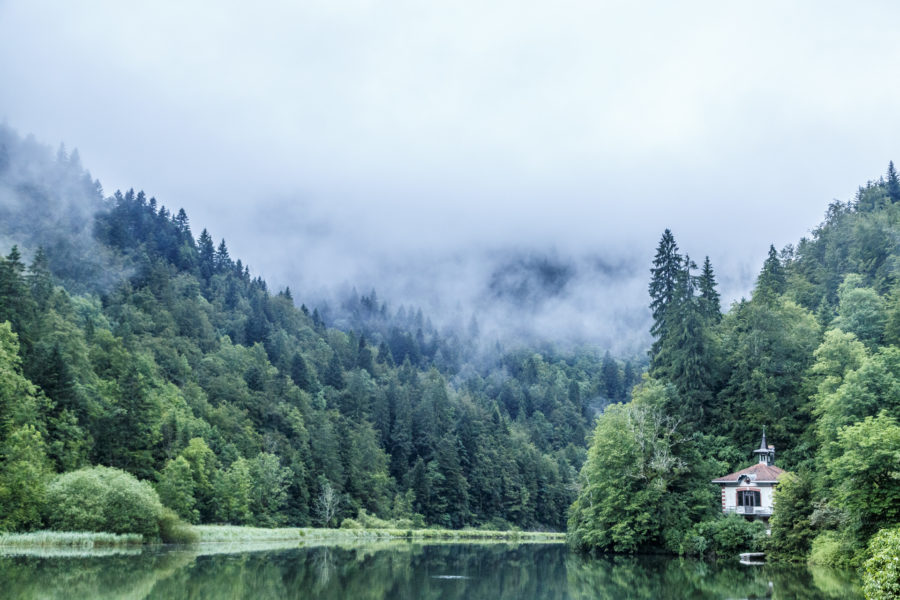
{"points": [[128, 341], [812, 357]]}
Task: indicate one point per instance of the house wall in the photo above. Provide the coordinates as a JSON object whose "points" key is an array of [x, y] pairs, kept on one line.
{"points": [[729, 494]]}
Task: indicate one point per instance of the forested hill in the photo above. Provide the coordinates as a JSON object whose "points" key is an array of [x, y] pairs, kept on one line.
{"points": [[126, 340], [813, 357]]}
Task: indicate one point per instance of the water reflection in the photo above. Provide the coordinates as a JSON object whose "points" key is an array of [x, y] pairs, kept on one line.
{"points": [[403, 570]]}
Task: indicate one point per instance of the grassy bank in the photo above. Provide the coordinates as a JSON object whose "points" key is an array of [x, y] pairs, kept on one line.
{"points": [[230, 533], [80, 540], [16, 543]]}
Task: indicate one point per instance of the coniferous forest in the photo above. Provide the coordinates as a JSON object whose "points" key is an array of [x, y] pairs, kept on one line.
{"points": [[132, 342], [128, 341]]}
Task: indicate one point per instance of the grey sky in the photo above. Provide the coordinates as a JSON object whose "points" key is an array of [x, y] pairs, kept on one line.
{"points": [[332, 141]]}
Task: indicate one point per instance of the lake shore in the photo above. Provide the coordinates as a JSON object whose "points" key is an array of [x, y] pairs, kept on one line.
{"points": [[208, 534]]}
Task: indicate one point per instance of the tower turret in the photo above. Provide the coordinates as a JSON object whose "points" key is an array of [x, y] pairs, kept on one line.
{"points": [[765, 452]]}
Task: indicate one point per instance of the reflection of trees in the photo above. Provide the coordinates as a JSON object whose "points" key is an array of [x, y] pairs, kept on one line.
{"points": [[377, 572], [668, 578], [89, 577], [323, 565]]}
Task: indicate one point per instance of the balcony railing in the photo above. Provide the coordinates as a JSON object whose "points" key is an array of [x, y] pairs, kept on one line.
{"points": [[762, 511]]}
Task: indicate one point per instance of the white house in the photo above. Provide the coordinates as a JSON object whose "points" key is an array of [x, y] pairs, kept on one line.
{"points": [[750, 492]]}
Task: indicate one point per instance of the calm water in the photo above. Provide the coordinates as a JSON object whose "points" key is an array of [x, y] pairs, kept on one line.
{"points": [[494, 572]]}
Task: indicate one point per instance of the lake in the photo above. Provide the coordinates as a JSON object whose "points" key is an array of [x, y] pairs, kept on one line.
{"points": [[403, 570]]}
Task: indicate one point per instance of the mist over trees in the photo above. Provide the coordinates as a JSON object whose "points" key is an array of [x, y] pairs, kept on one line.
{"points": [[131, 341]]}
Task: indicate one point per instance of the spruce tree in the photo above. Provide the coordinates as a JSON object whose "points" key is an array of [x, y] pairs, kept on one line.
{"points": [[611, 382], [709, 298], [334, 373], [771, 282], [222, 259], [667, 264], [893, 183], [207, 255]]}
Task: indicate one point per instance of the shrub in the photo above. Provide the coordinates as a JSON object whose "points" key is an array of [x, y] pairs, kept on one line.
{"points": [[103, 499], [831, 549], [349, 523], [172, 530], [881, 579], [730, 534]]}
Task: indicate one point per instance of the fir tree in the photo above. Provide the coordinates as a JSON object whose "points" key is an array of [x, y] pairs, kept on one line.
{"points": [[893, 183], [771, 282], [667, 264], [611, 383], [222, 259], [207, 255], [709, 297]]}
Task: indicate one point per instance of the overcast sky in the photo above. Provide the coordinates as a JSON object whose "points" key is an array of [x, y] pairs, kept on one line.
{"points": [[337, 142]]}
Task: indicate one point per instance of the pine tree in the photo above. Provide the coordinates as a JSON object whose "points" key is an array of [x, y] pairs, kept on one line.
{"points": [[709, 298], [611, 383], [222, 259], [207, 255], [771, 282], [667, 264], [334, 373], [893, 183], [300, 373], [40, 280]]}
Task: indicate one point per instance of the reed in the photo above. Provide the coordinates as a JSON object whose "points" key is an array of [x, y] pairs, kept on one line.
{"points": [[84, 540]]}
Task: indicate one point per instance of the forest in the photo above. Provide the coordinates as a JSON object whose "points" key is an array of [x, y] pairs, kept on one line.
{"points": [[128, 344], [137, 357], [813, 357]]}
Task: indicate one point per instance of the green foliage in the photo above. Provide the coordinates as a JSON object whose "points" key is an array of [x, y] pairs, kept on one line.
{"points": [[771, 282], [641, 487], [726, 536], [233, 492], [832, 549], [792, 530], [881, 578], [867, 482], [861, 311], [176, 489], [24, 473], [103, 499], [172, 530]]}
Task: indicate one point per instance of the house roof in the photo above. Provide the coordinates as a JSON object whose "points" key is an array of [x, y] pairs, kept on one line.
{"points": [[762, 471]]}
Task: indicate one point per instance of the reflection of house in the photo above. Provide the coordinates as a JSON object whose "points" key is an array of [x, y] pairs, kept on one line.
{"points": [[750, 491]]}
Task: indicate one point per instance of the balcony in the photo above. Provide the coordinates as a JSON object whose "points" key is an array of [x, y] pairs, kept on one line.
{"points": [[759, 511]]}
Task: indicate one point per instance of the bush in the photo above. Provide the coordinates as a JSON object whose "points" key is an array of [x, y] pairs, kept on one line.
{"points": [[831, 549], [730, 534], [103, 499], [172, 530], [881, 579], [349, 523]]}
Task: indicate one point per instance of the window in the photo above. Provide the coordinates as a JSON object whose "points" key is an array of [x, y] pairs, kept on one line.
{"points": [[748, 498]]}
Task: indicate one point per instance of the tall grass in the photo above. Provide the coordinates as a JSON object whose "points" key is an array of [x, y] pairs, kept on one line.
{"points": [[231, 533], [82, 540]]}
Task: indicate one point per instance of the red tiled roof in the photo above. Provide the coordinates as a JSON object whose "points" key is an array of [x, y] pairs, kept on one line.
{"points": [[763, 473]]}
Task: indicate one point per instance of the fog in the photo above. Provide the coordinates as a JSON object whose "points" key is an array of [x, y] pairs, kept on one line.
{"points": [[517, 161]]}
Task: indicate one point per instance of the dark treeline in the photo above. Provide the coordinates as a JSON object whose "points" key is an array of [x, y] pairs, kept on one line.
{"points": [[147, 348], [813, 357]]}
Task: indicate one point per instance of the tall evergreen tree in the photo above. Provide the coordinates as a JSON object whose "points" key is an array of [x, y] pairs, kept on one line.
{"points": [[709, 298], [222, 259], [893, 183], [334, 373], [611, 382], [667, 265], [771, 282], [207, 255]]}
